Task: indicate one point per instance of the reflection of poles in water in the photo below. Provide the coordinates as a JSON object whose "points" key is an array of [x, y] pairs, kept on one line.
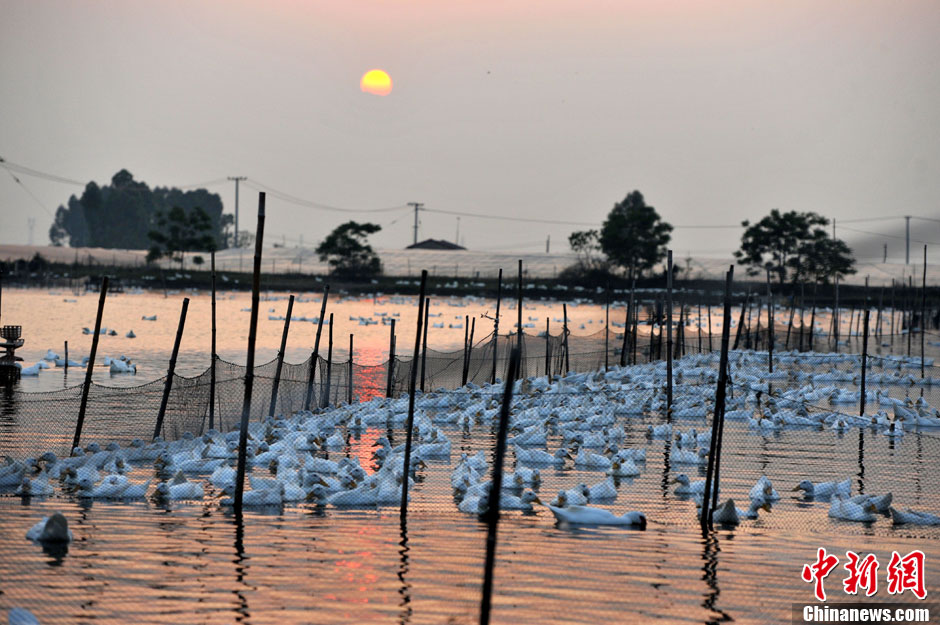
{"points": [[405, 589], [240, 566], [710, 549]]}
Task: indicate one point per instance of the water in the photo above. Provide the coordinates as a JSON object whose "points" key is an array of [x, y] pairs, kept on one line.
{"points": [[195, 562]]}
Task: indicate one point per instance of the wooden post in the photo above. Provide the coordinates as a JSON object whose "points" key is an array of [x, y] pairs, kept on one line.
{"points": [[607, 328], [102, 294], [250, 362], [699, 324], [329, 366], [466, 368], [668, 332], [711, 474], [409, 422], [275, 385], [627, 326], [747, 301], [519, 316], [499, 295], [923, 315], [786, 343], [424, 348], [212, 347], [168, 385], [636, 332], [812, 316], [836, 322], [349, 387], [770, 327], [710, 348], [564, 312], [492, 511], [315, 357], [391, 360], [66, 357], [548, 350], [861, 407]]}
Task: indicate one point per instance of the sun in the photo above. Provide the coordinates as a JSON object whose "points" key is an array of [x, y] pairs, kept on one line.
{"points": [[376, 82]]}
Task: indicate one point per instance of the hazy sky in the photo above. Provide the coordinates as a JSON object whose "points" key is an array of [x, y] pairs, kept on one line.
{"points": [[716, 111]]}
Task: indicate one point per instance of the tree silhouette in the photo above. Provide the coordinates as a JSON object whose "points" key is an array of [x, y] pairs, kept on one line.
{"points": [[793, 244], [181, 231], [633, 236], [348, 254]]}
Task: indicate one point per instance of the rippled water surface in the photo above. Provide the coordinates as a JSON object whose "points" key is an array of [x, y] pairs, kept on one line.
{"points": [[195, 562]]}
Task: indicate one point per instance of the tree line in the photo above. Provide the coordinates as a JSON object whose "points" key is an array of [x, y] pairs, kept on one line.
{"points": [[789, 246]]}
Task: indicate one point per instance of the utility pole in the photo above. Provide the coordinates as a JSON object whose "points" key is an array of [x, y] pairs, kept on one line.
{"points": [[884, 258], [907, 240], [417, 206], [457, 237], [237, 179], [833, 228], [31, 222], [548, 243]]}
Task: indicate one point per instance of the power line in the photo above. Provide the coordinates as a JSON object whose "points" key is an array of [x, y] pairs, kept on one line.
{"points": [[508, 218], [890, 236], [25, 188], [29, 171], [258, 186]]}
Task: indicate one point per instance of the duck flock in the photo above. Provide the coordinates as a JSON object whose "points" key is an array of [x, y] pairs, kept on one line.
{"points": [[577, 421]]}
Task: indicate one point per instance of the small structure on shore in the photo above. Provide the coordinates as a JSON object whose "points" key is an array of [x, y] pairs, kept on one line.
{"points": [[10, 341]]}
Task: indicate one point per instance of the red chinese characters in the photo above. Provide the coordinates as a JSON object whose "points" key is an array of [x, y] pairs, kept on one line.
{"points": [[818, 571], [862, 573], [907, 573]]}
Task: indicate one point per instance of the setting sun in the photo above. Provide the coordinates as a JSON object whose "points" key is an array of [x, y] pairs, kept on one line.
{"points": [[376, 82]]}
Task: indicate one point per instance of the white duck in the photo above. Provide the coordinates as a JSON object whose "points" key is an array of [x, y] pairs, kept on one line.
{"points": [[52, 529], [847, 510], [587, 515], [728, 514], [913, 517], [825, 489]]}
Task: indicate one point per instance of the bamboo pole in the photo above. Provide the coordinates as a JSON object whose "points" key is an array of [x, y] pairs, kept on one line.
{"points": [[424, 348], [250, 364], [329, 365], [276, 383], [391, 360], [564, 312], [315, 357], [409, 422], [499, 297], [861, 408], [213, 354], [168, 385], [492, 511], [668, 332], [89, 368], [923, 314], [349, 387]]}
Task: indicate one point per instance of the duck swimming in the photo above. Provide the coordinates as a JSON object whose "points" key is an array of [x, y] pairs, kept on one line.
{"points": [[52, 529], [825, 489], [587, 515]]}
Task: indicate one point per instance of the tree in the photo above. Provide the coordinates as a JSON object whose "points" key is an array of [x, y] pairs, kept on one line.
{"points": [[121, 214], [794, 244], [633, 236], [822, 258], [346, 250], [586, 244], [180, 231]]}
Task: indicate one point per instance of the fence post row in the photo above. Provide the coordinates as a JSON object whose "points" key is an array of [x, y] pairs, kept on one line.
{"points": [[168, 385], [250, 361]]}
